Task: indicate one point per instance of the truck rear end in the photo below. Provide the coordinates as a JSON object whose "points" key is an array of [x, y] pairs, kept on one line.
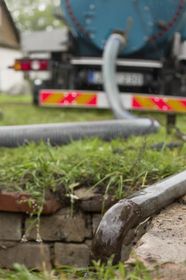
{"points": [[150, 69]]}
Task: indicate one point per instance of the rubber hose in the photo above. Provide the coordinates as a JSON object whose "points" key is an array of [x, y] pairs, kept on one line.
{"points": [[111, 51], [58, 134], [128, 213]]}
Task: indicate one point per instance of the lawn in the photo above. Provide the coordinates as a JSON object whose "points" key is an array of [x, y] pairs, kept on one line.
{"points": [[120, 166]]}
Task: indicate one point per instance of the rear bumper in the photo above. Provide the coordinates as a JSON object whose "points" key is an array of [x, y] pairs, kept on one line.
{"points": [[96, 99]]}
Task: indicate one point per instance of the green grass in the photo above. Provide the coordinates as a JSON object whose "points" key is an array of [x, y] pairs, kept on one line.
{"points": [[119, 167], [4, 98], [18, 110], [97, 272]]}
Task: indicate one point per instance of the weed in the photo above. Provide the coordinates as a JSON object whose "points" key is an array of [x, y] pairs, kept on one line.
{"points": [[97, 272], [36, 168]]}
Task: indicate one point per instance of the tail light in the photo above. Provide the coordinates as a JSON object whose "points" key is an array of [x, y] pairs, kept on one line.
{"points": [[31, 65]]}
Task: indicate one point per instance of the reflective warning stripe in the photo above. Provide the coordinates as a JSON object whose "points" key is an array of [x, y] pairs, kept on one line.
{"points": [[95, 99], [163, 104], [60, 98]]}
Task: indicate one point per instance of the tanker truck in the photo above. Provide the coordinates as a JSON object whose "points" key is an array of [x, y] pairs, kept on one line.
{"points": [[124, 55]]}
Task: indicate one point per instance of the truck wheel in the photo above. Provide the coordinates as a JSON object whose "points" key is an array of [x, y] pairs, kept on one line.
{"points": [[35, 95], [35, 100]]}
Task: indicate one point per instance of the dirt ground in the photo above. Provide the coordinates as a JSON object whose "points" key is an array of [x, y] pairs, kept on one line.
{"points": [[163, 247]]}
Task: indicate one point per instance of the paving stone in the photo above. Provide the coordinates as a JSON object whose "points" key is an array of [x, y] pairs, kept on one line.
{"points": [[35, 256], [61, 227], [183, 200], [170, 271], [71, 254], [165, 241], [10, 226]]}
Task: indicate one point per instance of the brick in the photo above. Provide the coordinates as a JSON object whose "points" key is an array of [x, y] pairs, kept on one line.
{"points": [[95, 222], [61, 227], [35, 256], [10, 226], [88, 242], [18, 202], [96, 203], [71, 254], [88, 223]]}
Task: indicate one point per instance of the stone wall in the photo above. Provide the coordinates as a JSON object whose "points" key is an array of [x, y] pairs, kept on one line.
{"points": [[60, 239]]}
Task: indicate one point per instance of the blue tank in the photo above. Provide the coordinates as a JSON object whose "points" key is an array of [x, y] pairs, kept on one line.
{"points": [[148, 24]]}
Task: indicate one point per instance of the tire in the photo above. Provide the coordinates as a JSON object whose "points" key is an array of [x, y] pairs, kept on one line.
{"points": [[35, 95], [35, 100]]}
